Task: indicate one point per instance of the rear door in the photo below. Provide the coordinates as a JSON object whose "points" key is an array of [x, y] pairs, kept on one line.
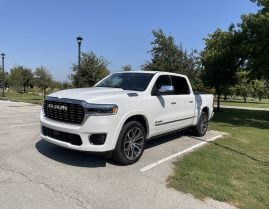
{"points": [[184, 105]]}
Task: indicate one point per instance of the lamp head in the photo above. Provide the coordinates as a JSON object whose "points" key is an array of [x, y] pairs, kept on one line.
{"points": [[79, 39]]}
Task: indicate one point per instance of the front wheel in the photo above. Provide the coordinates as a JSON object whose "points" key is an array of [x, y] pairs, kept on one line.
{"points": [[130, 144], [201, 128]]}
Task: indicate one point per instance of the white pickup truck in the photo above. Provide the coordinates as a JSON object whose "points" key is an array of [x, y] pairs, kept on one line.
{"points": [[122, 111]]}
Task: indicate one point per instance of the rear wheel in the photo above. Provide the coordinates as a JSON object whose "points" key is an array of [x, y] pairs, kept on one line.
{"points": [[130, 144], [201, 128]]}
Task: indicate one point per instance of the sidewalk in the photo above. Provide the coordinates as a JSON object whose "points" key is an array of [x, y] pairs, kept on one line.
{"points": [[244, 108]]}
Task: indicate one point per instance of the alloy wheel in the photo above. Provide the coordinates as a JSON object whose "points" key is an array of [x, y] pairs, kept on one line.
{"points": [[133, 143]]}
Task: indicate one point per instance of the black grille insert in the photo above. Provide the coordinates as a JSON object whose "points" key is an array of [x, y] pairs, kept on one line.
{"points": [[62, 136], [64, 111]]}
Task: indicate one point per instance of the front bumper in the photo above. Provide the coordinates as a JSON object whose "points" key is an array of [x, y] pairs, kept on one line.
{"points": [[93, 125]]}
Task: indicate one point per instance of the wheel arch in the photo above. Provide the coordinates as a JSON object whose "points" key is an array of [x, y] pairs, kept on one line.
{"points": [[141, 119], [206, 110]]}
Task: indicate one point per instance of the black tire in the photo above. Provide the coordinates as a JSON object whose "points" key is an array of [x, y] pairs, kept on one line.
{"points": [[201, 128], [131, 142]]}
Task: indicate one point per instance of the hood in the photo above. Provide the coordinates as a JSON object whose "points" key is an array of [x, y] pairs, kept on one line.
{"points": [[95, 94]]}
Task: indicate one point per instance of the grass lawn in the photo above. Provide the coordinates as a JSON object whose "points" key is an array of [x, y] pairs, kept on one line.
{"points": [[250, 103], [20, 97], [234, 169]]}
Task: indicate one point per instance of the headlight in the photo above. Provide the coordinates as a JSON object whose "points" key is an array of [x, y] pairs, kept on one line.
{"points": [[100, 109]]}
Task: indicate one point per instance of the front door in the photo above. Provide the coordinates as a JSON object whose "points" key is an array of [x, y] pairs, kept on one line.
{"points": [[163, 108], [175, 110]]}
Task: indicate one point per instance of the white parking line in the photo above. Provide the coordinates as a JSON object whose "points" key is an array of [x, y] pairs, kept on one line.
{"points": [[152, 165], [19, 106], [7, 116], [27, 124]]}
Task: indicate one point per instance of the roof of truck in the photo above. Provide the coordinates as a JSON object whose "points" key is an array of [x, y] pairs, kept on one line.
{"points": [[138, 71], [150, 72]]}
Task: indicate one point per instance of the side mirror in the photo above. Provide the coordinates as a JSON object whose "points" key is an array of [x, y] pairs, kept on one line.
{"points": [[164, 89]]}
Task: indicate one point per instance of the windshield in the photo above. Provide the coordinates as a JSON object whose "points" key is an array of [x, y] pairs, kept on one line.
{"points": [[127, 81]]}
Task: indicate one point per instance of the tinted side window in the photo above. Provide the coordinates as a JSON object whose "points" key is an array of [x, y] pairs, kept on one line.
{"points": [[180, 85], [162, 80]]}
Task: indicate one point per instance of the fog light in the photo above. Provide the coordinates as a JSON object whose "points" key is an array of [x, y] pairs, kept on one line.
{"points": [[97, 139]]}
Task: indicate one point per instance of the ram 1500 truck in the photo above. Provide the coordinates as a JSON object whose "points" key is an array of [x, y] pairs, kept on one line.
{"points": [[122, 111]]}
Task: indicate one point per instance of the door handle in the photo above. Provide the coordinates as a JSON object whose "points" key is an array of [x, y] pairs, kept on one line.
{"points": [[191, 101], [173, 103]]}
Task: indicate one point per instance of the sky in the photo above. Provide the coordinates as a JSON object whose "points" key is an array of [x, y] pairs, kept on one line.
{"points": [[37, 33]]}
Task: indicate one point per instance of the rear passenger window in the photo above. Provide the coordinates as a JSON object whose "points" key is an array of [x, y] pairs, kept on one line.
{"points": [[180, 85]]}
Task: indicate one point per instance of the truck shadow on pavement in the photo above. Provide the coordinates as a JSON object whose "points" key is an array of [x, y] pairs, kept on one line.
{"points": [[86, 159], [156, 141], [70, 157]]}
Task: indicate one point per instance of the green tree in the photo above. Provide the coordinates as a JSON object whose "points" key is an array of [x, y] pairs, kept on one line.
{"points": [[243, 86], [195, 72], [254, 29], [15, 78], [93, 69], [220, 60], [21, 76], [263, 3], [168, 56], [232, 91], [258, 89], [56, 84], [126, 67], [1, 76], [26, 78], [66, 85], [4, 79], [43, 79]]}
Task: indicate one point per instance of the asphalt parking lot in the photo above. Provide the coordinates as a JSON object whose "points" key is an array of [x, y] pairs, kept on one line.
{"points": [[36, 174]]}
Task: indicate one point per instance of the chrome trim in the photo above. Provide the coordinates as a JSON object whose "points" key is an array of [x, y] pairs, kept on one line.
{"points": [[173, 121], [86, 107]]}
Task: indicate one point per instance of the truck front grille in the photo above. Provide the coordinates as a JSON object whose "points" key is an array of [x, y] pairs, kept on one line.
{"points": [[64, 111], [62, 136]]}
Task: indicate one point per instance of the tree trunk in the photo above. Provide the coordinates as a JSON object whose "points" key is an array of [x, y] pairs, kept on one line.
{"points": [[225, 97], [245, 99], [23, 88]]}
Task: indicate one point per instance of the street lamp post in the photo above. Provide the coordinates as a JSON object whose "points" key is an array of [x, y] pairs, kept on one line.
{"points": [[3, 68], [79, 40]]}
